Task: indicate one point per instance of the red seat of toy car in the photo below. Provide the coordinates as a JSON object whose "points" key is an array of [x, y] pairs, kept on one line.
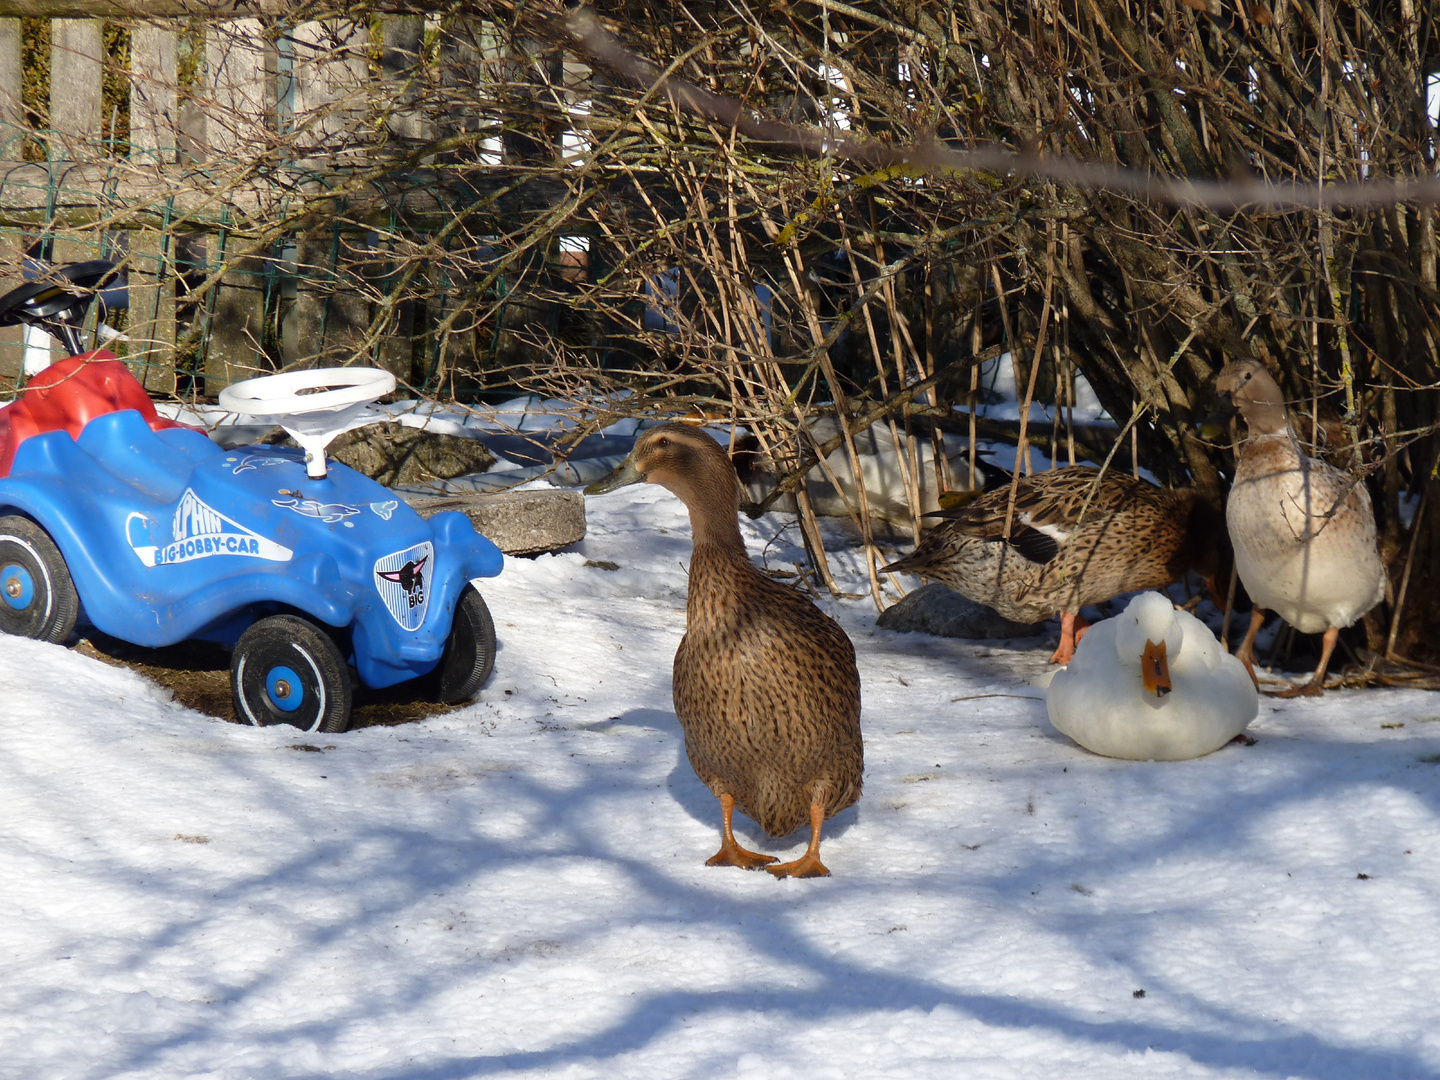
{"points": [[68, 395]]}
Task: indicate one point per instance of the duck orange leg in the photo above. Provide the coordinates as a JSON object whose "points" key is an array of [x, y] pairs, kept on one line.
{"points": [[809, 864], [1072, 629], [1246, 652], [731, 853], [1316, 686]]}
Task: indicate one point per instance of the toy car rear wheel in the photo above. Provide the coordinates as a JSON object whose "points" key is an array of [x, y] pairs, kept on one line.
{"points": [[287, 670], [37, 597], [469, 655]]}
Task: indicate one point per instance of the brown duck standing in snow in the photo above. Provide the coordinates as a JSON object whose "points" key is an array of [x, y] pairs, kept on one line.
{"points": [[765, 684]]}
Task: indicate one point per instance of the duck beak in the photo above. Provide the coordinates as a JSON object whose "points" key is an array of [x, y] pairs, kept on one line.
{"points": [[625, 473], [1215, 424], [953, 500], [1155, 669]]}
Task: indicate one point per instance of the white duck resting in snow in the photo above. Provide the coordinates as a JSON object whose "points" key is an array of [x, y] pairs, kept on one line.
{"points": [[1152, 684]]}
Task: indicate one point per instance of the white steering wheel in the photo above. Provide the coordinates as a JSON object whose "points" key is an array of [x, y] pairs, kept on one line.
{"points": [[313, 405]]}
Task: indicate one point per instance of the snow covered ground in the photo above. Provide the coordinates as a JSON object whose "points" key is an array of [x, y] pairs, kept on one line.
{"points": [[518, 888]]}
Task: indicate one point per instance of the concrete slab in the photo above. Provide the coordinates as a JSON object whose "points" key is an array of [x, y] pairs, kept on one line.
{"points": [[519, 522]]}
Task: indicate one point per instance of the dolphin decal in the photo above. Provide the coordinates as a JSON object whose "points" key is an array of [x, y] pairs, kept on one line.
{"points": [[326, 512]]}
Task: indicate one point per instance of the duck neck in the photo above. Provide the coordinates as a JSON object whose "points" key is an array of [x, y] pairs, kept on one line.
{"points": [[713, 525], [717, 563], [1265, 418], [1261, 443]]}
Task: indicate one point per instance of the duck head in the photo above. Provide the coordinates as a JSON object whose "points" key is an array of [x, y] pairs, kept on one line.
{"points": [[678, 457], [1148, 631], [1246, 385]]}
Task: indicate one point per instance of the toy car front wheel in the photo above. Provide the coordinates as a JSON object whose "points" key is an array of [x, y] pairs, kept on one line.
{"points": [[287, 670], [469, 655], [37, 597]]}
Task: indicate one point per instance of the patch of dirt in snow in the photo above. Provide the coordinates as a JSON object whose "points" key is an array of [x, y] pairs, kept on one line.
{"points": [[197, 673]]}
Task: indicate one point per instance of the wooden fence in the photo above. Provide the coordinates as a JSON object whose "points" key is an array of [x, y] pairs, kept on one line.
{"points": [[232, 269]]}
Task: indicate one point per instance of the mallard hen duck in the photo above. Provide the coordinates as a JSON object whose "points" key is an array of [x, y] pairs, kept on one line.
{"points": [[1302, 530], [765, 685], [1063, 554], [1152, 684]]}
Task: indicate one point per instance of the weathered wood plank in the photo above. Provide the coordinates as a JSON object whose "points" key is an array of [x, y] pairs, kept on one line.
{"points": [[12, 126], [77, 58], [12, 106], [151, 323], [331, 316], [172, 9], [396, 352], [239, 112], [77, 52], [402, 77], [121, 9], [12, 338], [332, 89], [236, 329], [239, 105], [121, 194], [403, 42], [129, 194], [154, 108]]}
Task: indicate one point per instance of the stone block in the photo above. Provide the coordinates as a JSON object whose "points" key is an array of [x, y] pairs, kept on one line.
{"points": [[519, 522], [937, 609], [393, 453]]}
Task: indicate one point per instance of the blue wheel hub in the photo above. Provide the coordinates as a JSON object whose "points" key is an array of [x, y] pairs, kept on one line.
{"points": [[283, 687], [17, 587]]}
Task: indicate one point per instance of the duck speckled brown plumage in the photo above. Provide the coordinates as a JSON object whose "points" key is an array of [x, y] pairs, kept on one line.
{"points": [[1304, 532], [765, 684], [1131, 536]]}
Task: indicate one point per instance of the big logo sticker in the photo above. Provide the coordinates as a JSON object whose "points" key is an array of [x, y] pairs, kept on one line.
{"points": [[198, 531], [403, 580]]}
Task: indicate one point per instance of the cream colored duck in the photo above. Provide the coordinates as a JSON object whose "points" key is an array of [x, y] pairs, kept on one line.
{"points": [[1303, 531], [765, 684], [1152, 684]]}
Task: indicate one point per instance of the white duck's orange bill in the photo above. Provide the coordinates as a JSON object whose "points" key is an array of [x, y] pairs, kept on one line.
{"points": [[1155, 669]]}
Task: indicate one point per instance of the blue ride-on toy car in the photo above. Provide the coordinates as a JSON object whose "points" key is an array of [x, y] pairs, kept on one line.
{"points": [[118, 518]]}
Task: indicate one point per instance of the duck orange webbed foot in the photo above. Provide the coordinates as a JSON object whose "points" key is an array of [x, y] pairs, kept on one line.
{"points": [[732, 854], [808, 865], [1316, 686], [1072, 629], [1309, 689]]}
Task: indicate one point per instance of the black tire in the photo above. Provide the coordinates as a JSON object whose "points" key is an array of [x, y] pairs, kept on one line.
{"points": [[37, 597], [287, 670], [469, 655]]}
